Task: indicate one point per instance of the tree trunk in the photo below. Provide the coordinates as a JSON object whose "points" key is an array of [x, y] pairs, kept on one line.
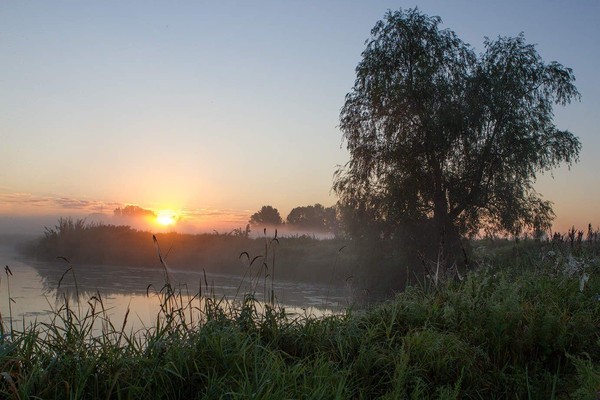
{"points": [[449, 246]]}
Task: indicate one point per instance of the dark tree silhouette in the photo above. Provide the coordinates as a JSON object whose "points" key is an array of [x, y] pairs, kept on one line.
{"points": [[267, 215], [442, 138], [313, 217]]}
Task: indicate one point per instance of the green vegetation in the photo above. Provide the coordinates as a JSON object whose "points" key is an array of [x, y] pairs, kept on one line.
{"points": [[524, 324], [302, 258]]}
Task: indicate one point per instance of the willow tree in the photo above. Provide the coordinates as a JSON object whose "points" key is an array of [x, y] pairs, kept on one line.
{"points": [[442, 137]]}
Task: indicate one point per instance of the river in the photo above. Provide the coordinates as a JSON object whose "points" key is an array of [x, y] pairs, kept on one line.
{"points": [[32, 291]]}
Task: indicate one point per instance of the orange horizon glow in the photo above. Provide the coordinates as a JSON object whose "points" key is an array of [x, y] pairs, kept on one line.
{"points": [[20, 210], [166, 218]]}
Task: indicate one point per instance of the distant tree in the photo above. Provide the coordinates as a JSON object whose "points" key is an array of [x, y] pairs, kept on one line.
{"points": [[307, 216], [313, 217], [442, 138], [267, 215], [133, 211]]}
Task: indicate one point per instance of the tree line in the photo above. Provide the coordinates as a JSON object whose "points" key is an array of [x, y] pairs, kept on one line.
{"points": [[312, 217]]}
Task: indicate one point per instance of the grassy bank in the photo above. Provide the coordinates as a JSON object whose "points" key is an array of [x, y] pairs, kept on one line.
{"points": [[299, 257], [529, 329], [375, 270]]}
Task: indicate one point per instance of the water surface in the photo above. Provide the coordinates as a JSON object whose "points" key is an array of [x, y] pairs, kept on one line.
{"points": [[37, 289]]}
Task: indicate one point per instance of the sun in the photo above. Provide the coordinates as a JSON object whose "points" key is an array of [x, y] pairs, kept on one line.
{"points": [[166, 218]]}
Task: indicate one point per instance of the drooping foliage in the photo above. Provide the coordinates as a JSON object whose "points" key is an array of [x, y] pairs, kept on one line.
{"points": [[442, 137]]}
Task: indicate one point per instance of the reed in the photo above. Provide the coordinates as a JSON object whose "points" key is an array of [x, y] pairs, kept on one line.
{"points": [[10, 299], [523, 330]]}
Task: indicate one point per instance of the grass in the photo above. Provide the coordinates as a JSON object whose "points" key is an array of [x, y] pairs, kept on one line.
{"points": [[306, 258], [523, 329]]}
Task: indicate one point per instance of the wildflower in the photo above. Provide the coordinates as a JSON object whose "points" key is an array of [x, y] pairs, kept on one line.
{"points": [[573, 265], [583, 280]]}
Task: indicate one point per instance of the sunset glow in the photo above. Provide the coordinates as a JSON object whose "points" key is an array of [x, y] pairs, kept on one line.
{"points": [[166, 218]]}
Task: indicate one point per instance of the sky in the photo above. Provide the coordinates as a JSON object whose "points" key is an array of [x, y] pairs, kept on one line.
{"points": [[213, 109]]}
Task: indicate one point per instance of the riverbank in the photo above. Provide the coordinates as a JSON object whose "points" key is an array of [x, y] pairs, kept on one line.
{"points": [[334, 262], [527, 328], [216, 253]]}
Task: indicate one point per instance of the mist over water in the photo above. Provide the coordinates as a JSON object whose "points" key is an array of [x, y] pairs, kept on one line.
{"points": [[39, 287], [35, 225], [11, 225], [114, 257]]}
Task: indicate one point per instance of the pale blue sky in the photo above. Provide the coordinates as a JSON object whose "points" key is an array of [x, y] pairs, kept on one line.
{"points": [[221, 107]]}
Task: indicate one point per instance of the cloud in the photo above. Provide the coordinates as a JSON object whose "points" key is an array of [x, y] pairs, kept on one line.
{"points": [[22, 204], [25, 203]]}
